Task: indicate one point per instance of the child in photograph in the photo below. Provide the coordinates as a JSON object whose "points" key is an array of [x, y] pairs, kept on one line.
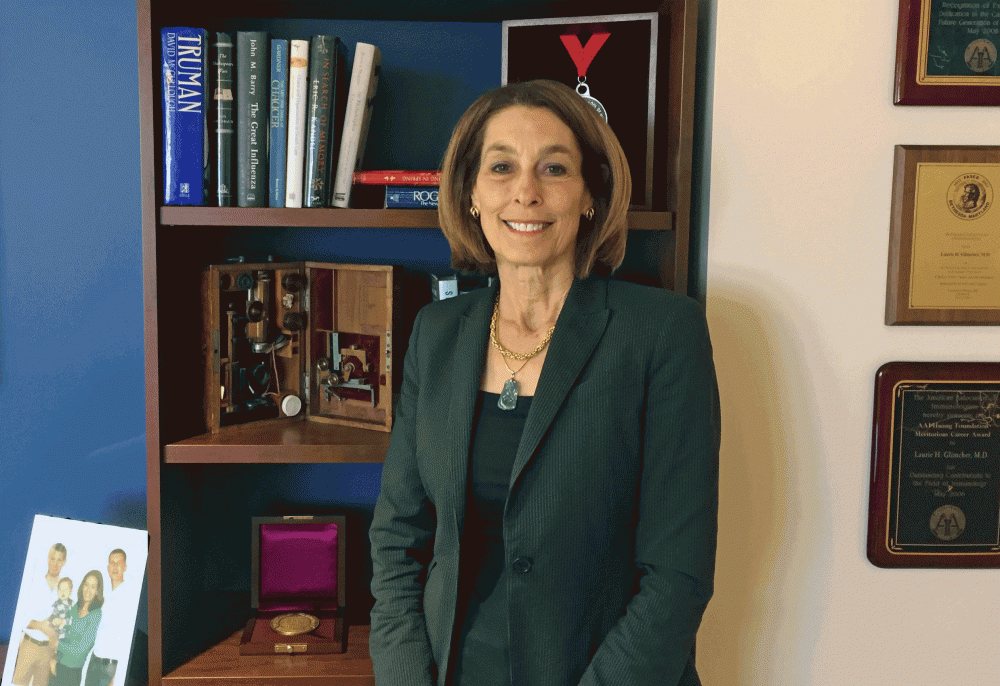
{"points": [[60, 616], [61, 607]]}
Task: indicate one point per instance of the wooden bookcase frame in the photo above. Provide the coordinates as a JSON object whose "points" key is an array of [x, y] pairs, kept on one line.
{"points": [[174, 440]]}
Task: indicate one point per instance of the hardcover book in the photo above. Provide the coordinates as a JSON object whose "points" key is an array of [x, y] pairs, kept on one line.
{"points": [[221, 147], [298, 80], [398, 177], [252, 78], [411, 197], [338, 110], [277, 141], [185, 115], [326, 63], [361, 96]]}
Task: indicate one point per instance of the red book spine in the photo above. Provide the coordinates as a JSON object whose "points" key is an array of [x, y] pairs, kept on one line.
{"points": [[398, 178]]}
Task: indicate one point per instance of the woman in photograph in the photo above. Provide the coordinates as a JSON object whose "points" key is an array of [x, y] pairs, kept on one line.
{"points": [[549, 499], [67, 667]]}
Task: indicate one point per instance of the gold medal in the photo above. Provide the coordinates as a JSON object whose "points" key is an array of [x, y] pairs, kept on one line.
{"points": [[294, 623]]}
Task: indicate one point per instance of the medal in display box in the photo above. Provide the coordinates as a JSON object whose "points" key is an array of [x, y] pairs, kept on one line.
{"points": [[298, 586]]}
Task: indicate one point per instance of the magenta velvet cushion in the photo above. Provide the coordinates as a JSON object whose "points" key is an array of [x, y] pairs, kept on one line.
{"points": [[298, 562]]}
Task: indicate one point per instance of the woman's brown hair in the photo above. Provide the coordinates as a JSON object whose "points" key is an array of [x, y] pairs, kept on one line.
{"points": [[600, 242], [98, 600]]}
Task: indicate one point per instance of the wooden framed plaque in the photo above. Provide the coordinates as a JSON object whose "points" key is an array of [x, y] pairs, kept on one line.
{"points": [[611, 61], [944, 243], [946, 53], [934, 499]]}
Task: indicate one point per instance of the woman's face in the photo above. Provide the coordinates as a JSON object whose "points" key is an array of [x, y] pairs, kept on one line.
{"points": [[88, 589], [530, 189]]}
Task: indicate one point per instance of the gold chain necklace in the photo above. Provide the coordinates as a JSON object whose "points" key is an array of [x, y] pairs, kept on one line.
{"points": [[508, 396]]}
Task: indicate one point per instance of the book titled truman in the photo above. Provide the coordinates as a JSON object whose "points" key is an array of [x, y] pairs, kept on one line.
{"points": [[185, 122]]}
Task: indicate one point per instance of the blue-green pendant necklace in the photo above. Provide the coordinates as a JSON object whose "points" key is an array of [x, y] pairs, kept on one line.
{"points": [[508, 396]]}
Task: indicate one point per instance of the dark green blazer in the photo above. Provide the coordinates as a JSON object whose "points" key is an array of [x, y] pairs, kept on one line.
{"points": [[610, 521]]}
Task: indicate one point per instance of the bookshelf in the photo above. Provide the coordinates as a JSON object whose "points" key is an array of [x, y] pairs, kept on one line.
{"points": [[202, 488]]}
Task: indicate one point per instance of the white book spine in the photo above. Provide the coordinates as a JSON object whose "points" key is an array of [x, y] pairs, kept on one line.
{"points": [[360, 96], [298, 88]]}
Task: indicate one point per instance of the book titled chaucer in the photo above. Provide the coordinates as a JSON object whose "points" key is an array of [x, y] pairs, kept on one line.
{"points": [[185, 104]]}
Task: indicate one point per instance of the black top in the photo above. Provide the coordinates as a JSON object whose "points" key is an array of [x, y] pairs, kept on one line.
{"points": [[481, 644]]}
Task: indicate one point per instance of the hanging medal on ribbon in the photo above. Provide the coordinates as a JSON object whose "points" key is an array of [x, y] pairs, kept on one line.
{"points": [[582, 56]]}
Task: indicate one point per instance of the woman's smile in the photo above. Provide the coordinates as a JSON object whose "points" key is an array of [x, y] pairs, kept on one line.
{"points": [[526, 227]]}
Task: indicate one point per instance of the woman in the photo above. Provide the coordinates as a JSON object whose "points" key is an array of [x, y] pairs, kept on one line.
{"points": [[80, 633], [548, 504]]}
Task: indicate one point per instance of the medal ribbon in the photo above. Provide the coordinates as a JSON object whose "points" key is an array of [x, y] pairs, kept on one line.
{"points": [[583, 55]]}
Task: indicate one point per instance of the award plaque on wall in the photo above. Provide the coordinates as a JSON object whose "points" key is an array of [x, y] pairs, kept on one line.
{"points": [[946, 53], [944, 243], [611, 62], [934, 499]]}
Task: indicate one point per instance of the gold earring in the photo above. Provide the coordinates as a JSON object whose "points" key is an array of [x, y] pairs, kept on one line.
{"points": [[589, 214], [474, 211]]}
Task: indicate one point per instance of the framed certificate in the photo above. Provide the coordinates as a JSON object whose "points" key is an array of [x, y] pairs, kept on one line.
{"points": [[934, 499], [944, 243], [946, 53], [611, 61]]}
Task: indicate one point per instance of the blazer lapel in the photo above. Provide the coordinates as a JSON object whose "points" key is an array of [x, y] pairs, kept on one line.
{"points": [[580, 326], [465, 378]]}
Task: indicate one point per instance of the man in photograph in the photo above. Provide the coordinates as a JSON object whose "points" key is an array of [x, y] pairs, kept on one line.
{"points": [[35, 648], [114, 636]]}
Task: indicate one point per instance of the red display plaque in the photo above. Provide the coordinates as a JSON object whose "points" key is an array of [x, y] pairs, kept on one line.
{"points": [[298, 569], [946, 53], [934, 499]]}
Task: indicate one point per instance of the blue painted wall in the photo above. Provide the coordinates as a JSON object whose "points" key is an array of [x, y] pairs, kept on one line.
{"points": [[71, 363]]}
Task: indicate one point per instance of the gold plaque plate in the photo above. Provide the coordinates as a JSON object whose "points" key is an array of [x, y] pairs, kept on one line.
{"points": [[294, 623]]}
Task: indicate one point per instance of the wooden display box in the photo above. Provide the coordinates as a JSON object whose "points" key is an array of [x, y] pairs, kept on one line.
{"points": [[298, 339], [297, 566]]}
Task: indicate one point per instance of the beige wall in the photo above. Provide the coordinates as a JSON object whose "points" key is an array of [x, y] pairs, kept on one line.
{"points": [[802, 129]]}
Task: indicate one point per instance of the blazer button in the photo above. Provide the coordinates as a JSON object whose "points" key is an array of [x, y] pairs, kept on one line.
{"points": [[522, 565]]}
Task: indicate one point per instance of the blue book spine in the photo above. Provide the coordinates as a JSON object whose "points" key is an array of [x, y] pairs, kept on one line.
{"points": [[409, 197], [278, 143], [185, 115]]}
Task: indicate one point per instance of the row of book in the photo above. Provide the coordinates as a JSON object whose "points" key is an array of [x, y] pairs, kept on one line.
{"points": [[269, 122]]}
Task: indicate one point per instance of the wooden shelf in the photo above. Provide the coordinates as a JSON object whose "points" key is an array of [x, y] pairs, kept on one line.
{"points": [[281, 440], [300, 217], [222, 664], [176, 215]]}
